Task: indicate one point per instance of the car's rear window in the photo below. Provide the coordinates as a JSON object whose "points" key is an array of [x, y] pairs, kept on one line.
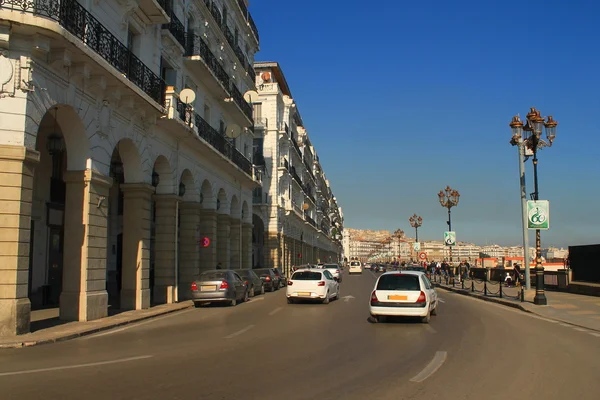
{"points": [[398, 282], [212, 276], [306, 276], [355, 264], [262, 271]]}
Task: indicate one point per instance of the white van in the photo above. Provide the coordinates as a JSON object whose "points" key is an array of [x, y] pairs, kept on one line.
{"points": [[355, 267]]}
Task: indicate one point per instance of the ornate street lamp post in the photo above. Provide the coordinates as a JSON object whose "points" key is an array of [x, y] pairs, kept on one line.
{"points": [[533, 141], [449, 198], [416, 222]]}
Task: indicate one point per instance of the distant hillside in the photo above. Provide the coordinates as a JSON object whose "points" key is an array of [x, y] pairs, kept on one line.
{"points": [[367, 234]]}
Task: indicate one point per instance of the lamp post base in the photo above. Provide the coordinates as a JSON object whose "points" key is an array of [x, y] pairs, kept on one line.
{"points": [[540, 297]]}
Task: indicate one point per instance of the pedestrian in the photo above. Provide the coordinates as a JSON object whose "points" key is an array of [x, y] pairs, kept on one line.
{"points": [[219, 266]]}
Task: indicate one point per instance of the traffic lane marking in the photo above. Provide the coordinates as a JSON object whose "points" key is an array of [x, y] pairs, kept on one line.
{"points": [[275, 311], [430, 369], [241, 331], [86, 365]]}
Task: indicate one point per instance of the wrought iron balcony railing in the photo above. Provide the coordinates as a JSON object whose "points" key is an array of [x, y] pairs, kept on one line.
{"points": [[74, 18], [218, 141], [249, 18], [197, 46], [216, 14], [309, 219], [176, 28], [295, 143], [296, 176], [243, 104]]}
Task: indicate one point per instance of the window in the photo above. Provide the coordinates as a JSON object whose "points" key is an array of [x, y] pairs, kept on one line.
{"points": [[306, 276], [327, 274], [399, 282], [237, 35], [207, 113], [212, 276], [257, 111], [222, 127]]}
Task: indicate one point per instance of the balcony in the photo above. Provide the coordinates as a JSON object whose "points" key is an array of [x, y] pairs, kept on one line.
{"points": [[75, 19], [216, 14], [295, 143], [260, 123], [176, 28], [214, 75], [249, 19], [284, 165], [296, 176], [309, 219], [158, 11]]}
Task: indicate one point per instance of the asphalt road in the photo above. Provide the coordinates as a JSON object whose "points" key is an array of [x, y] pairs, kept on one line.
{"points": [[268, 349]]}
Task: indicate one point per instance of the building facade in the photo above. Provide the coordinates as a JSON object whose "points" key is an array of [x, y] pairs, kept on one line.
{"points": [[297, 219], [117, 191]]}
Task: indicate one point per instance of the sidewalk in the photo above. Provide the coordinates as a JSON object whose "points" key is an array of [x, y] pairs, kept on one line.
{"points": [[71, 330], [573, 309]]}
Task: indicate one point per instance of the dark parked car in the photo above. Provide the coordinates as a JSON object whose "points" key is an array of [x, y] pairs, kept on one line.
{"points": [[253, 281], [219, 286], [270, 280], [281, 276]]}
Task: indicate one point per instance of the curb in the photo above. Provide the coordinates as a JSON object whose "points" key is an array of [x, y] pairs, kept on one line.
{"points": [[465, 292], [90, 331]]}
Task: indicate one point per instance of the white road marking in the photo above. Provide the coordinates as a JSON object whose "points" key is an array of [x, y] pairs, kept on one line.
{"points": [[347, 298], [441, 300], [594, 334], [580, 329], [253, 299], [430, 328], [275, 311], [431, 368], [246, 329], [95, 364], [135, 325]]}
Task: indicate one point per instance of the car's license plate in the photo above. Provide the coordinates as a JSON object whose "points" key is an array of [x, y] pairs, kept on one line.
{"points": [[208, 288], [303, 293], [396, 297]]}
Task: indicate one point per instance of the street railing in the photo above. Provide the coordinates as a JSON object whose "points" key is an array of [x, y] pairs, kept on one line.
{"points": [[483, 287]]}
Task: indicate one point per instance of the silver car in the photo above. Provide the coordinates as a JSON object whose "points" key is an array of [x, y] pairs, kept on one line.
{"points": [[219, 286]]}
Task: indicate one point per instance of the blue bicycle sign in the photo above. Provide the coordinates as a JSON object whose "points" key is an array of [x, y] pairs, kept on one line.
{"points": [[538, 214]]}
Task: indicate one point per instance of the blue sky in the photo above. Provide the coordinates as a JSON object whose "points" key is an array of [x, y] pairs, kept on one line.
{"points": [[401, 98]]}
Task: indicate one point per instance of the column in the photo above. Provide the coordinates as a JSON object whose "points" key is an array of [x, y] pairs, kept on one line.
{"points": [[165, 244], [135, 290], [247, 246], [84, 296], [189, 248], [208, 229], [223, 242], [16, 187], [272, 250], [235, 242]]}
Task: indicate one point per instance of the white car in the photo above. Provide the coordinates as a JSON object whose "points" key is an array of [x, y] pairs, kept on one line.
{"points": [[335, 270], [355, 267], [316, 284], [406, 294]]}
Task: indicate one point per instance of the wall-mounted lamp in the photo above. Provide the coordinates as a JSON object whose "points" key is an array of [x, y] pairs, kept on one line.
{"points": [[155, 179], [100, 200]]}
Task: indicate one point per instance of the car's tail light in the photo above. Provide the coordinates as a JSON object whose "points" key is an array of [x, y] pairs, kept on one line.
{"points": [[224, 285], [246, 283], [194, 286], [268, 279], [422, 298], [374, 298], [321, 283], [337, 271], [290, 283]]}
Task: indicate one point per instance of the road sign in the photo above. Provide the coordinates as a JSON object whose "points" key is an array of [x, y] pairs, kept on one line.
{"points": [[450, 238], [422, 256], [205, 242], [538, 214], [416, 246]]}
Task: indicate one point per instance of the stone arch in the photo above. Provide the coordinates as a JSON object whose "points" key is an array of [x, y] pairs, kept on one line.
{"points": [[126, 153], [235, 208], [206, 195], [62, 120], [258, 241], [191, 191], [222, 203], [165, 176]]}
